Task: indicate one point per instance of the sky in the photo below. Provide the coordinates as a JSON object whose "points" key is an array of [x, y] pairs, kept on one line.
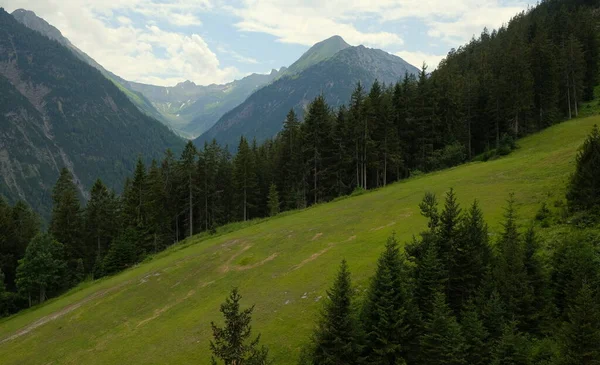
{"points": [[164, 42]]}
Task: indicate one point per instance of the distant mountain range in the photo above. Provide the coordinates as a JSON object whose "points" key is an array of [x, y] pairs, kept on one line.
{"points": [[187, 108], [331, 67], [192, 109], [58, 111]]}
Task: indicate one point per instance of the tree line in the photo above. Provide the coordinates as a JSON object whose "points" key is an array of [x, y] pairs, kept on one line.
{"points": [[521, 78]]}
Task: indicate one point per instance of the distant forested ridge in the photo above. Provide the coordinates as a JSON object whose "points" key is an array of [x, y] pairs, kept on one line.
{"points": [[57, 111]]}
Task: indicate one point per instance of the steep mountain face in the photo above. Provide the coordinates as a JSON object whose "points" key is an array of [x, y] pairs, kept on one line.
{"points": [[32, 21], [261, 116], [192, 109], [57, 111]]}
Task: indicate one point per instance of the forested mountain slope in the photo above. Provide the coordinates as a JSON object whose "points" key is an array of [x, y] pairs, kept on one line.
{"points": [[57, 111], [160, 311], [335, 76]]}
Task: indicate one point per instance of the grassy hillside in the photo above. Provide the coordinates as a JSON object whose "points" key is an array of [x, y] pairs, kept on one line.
{"points": [[160, 311]]}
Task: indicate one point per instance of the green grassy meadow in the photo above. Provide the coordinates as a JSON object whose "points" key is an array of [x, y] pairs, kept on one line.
{"points": [[160, 311]]}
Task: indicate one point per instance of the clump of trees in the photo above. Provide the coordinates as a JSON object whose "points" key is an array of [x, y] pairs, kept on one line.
{"points": [[454, 298]]}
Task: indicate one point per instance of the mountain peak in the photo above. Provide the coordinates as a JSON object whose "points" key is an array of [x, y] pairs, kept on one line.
{"points": [[335, 40], [32, 21], [318, 52], [186, 84]]}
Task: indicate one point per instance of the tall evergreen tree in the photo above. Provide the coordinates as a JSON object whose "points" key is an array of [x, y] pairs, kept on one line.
{"points": [[337, 338], [316, 131], [386, 308], [273, 201], [580, 335], [442, 341], [101, 223], [584, 189], [186, 170], [245, 180], [66, 222], [510, 271], [476, 336], [513, 347]]}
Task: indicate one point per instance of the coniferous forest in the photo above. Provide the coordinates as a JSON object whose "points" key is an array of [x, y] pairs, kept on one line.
{"points": [[454, 296]]}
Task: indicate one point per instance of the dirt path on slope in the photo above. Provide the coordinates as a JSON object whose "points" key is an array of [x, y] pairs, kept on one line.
{"points": [[51, 317]]}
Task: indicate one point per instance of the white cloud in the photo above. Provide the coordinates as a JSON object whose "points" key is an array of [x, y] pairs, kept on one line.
{"points": [[308, 22], [146, 54], [237, 56], [417, 58]]}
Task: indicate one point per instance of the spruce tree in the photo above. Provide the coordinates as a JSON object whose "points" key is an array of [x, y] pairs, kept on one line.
{"points": [[122, 252], [469, 259], [186, 176], [510, 271], [66, 222], [442, 342], [580, 335], [291, 165], [101, 223], [273, 201], [245, 180], [584, 189], [430, 278], [233, 343], [385, 310], [337, 336], [476, 336], [513, 347], [537, 313], [575, 261]]}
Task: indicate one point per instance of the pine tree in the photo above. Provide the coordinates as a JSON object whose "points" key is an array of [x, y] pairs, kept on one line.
{"points": [[580, 335], [42, 268], [291, 166], [510, 271], [470, 258], [538, 311], [575, 261], [584, 189], [273, 201], [430, 278], [513, 347], [245, 180], [477, 350], [442, 341], [233, 343], [336, 338], [122, 252], [316, 131], [18, 226], [101, 223], [385, 310], [186, 171], [136, 208], [66, 222]]}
